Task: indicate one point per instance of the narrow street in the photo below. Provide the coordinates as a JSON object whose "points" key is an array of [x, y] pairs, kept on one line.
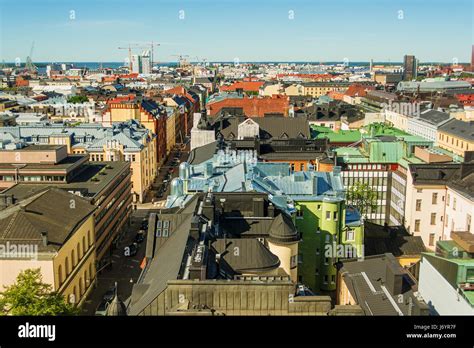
{"points": [[125, 270]]}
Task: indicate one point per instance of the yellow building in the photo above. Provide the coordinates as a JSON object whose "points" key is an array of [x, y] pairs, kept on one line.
{"points": [[61, 245], [456, 136], [294, 90], [171, 130], [127, 142], [317, 89], [147, 112]]}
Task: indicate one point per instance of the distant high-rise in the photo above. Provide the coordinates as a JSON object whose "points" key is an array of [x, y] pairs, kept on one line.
{"points": [[136, 63], [146, 62], [141, 64], [472, 58], [409, 68]]}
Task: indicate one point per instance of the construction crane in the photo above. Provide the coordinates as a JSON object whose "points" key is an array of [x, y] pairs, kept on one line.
{"points": [[29, 66], [182, 59], [151, 45], [129, 48]]}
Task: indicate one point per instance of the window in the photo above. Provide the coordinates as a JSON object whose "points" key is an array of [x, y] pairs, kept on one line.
{"points": [[432, 237], [446, 222], [317, 251], [299, 213], [326, 261], [433, 219], [448, 199], [73, 259], [302, 166], [319, 206], [418, 205], [417, 225], [317, 271], [335, 215], [292, 167], [434, 198], [333, 279], [67, 266], [60, 275], [328, 215], [454, 203], [419, 190], [300, 258], [165, 232], [293, 261], [325, 279], [350, 235], [468, 223]]}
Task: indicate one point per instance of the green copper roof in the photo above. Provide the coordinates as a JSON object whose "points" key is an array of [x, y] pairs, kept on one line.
{"points": [[349, 136]]}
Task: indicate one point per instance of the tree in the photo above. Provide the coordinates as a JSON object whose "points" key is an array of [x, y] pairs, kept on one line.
{"points": [[363, 197], [78, 99], [30, 296]]}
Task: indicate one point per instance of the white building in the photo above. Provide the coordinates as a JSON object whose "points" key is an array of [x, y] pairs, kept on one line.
{"points": [[446, 277], [427, 124]]}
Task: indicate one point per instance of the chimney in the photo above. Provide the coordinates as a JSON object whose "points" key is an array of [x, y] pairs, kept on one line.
{"points": [[257, 205], [315, 184], [468, 156], [44, 237], [394, 278], [271, 210]]}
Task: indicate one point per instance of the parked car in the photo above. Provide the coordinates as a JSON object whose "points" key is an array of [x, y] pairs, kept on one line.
{"points": [[109, 294], [102, 308], [140, 237], [130, 250], [303, 290]]}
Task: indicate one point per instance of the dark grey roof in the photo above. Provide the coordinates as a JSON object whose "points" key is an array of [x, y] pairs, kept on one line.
{"points": [[246, 255], [367, 282], [460, 129], [458, 176], [246, 227], [202, 153], [433, 173], [434, 117], [282, 230], [54, 211], [270, 127], [166, 262], [380, 239]]}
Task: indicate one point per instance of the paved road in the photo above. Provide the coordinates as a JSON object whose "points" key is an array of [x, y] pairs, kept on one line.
{"points": [[152, 194], [123, 268], [126, 270]]}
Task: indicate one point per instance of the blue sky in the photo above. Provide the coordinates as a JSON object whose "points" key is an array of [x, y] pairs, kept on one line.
{"points": [[222, 30]]}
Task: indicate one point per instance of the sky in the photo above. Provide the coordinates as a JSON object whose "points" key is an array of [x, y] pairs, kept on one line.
{"points": [[247, 30]]}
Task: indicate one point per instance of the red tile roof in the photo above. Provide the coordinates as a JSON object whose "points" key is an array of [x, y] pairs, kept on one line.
{"points": [[357, 90], [246, 86], [253, 107]]}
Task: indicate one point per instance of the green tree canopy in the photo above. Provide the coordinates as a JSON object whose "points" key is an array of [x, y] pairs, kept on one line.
{"points": [[78, 99], [363, 197], [30, 296]]}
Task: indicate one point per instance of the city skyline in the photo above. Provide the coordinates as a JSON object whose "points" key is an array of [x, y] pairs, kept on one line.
{"points": [[303, 31]]}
